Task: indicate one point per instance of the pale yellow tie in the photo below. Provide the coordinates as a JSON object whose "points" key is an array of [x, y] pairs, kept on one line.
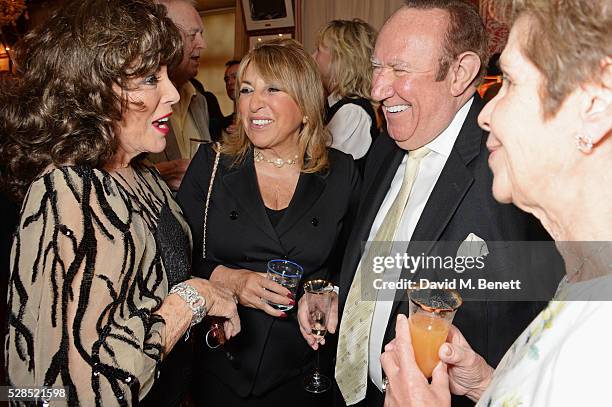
{"points": [[354, 334]]}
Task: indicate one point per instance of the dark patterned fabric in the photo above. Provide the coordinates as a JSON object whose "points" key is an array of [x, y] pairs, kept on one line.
{"points": [[87, 274]]}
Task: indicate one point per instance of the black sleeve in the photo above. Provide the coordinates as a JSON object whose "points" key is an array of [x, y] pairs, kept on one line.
{"points": [[215, 116], [353, 183], [191, 197]]}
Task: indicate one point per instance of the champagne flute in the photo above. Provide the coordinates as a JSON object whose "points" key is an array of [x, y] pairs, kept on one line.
{"points": [[319, 297]]}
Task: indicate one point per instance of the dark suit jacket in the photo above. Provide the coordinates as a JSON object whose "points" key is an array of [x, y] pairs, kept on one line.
{"points": [[460, 203], [268, 350]]}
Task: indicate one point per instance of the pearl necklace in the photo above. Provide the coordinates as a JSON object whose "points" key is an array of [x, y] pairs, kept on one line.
{"points": [[277, 162]]}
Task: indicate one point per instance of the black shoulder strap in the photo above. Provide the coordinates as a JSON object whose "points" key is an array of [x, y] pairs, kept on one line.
{"points": [[364, 103], [197, 85]]}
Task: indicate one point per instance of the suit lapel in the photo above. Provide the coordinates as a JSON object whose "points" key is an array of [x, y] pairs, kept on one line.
{"points": [[307, 192], [454, 180], [241, 182], [448, 193]]}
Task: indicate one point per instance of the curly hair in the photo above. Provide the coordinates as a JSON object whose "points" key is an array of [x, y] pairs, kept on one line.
{"points": [[285, 61], [73, 73], [567, 42], [351, 44]]}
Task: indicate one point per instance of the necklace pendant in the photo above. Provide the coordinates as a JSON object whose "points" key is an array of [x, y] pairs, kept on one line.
{"points": [[277, 162]]}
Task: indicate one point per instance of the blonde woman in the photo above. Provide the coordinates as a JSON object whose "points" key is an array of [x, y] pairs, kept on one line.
{"points": [[344, 50], [278, 192]]}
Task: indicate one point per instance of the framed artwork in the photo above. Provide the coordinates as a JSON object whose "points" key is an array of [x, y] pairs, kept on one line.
{"points": [[267, 14]]}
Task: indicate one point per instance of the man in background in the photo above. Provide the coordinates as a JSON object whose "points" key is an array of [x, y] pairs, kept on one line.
{"points": [[231, 70], [189, 123]]}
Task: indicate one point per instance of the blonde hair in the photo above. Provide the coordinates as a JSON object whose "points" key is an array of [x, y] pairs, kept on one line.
{"points": [[351, 44], [567, 41], [284, 61]]}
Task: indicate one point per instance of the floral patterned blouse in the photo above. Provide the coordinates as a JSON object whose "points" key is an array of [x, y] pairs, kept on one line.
{"points": [[563, 358]]}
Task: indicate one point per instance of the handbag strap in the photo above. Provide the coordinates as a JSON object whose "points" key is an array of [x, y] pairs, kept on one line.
{"points": [[210, 186]]}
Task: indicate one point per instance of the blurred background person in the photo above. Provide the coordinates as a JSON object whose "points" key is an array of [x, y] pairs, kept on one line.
{"points": [[100, 288], [343, 55], [493, 79], [550, 140], [215, 115], [231, 70], [278, 192], [189, 125]]}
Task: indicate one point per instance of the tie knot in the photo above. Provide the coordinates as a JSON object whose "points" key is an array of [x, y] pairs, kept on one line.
{"points": [[418, 154]]}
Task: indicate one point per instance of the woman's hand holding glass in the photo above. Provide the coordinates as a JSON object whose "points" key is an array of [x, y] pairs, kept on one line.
{"points": [[469, 374], [220, 302], [461, 370], [306, 327], [319, 306], [254, 290], [407, 385]]}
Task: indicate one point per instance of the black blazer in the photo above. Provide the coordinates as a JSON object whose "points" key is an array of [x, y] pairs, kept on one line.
{"points": [[268, 350], [460, 203]]}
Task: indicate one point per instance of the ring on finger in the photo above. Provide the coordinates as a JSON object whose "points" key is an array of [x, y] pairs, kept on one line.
{"points": [[385, 385]]}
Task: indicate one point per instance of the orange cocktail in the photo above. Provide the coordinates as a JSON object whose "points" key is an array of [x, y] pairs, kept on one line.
{"points": [[428, 333], [431, 313]]}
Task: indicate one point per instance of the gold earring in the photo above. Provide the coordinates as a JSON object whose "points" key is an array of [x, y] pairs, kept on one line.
{"points": [[304, 119]]}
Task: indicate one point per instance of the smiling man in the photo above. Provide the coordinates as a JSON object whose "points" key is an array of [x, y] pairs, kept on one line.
{"points": [[427, 181], [190, 120]]}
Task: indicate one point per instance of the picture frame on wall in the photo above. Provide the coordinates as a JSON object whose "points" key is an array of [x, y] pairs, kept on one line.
{"points": [[268, 14]]}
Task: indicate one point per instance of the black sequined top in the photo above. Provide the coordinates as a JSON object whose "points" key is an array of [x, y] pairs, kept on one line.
{"points": [[93, 257]]}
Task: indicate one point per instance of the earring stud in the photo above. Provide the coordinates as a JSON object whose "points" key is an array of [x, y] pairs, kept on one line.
{"points": [[584, 143]]}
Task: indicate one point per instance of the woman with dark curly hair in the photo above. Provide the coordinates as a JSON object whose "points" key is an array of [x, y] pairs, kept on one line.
{"points": [[100, 288]]}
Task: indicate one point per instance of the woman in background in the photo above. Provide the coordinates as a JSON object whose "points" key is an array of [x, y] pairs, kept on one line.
{"points": [[343, 55], [551, 155], [278, 192], [100, 289]]}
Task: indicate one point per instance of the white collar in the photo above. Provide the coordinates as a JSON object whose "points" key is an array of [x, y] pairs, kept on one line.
{"points": [[333, 99], [443, 144]]}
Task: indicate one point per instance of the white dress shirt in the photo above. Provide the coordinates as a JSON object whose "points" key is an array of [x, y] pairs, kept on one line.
{"points": [[429, 171], [350, 129]]}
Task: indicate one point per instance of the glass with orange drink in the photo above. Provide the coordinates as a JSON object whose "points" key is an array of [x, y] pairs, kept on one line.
{"points": [[431, 313]]}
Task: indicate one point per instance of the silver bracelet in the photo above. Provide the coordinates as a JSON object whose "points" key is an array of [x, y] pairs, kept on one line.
{"points": [[196, 302]]}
